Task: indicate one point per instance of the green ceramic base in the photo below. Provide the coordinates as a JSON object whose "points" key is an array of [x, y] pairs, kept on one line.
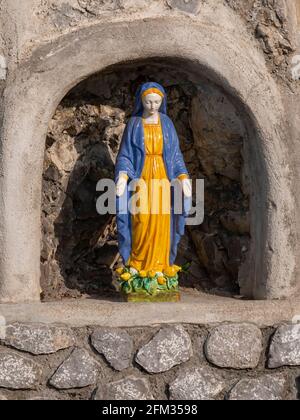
{"points": [[158, 297]]}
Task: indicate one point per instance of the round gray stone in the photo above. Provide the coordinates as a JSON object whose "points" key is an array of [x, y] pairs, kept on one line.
{"points": [[18, 372], [130, 388], [236, 346], [285, 347], [115, 345], [38, 339], [265, 388], [199, 383], [79, 370], [169, 347]]}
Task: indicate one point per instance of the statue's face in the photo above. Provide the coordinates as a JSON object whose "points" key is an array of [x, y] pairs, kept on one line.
{"points": [[152, 103]]}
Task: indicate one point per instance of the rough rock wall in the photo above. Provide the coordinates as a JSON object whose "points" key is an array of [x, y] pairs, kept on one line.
{"points": [[175, 362], [79, 246], [268, 21]]}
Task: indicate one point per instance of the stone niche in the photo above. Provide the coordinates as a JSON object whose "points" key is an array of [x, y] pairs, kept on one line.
{"points": [[234, 133], [79, 247]]}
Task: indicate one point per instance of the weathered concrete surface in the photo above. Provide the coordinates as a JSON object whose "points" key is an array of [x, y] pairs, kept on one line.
{"points": [[207, 43], [3, 67], [193, 309]]}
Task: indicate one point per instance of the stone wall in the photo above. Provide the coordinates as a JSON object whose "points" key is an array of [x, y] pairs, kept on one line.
{"points": [[250, 50], [176, 362], [270, 23]]}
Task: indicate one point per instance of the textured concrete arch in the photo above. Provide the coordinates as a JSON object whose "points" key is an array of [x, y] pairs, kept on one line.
{"points": [[54, 68]]}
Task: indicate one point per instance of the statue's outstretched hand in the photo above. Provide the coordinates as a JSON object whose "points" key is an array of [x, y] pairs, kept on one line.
{"points": [[121, 185], [187, 187]]}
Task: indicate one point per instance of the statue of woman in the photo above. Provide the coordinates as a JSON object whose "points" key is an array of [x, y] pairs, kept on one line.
{"points": [[148, 240]]}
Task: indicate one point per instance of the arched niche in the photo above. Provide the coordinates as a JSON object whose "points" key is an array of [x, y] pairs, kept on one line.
{"points": [[54, 68]]}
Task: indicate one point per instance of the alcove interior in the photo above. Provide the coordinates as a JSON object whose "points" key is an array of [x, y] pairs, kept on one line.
{"points": [[79, 247]]}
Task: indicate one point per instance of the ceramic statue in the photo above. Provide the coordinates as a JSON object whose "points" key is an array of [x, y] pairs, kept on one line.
{"points": [[148, 239]]}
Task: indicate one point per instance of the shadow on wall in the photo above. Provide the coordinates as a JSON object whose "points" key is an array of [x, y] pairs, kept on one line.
{"points": [[77, 157], [79, 246]]}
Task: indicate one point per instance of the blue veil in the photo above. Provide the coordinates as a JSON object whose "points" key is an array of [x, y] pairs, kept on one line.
{"points": [[138, 107]]}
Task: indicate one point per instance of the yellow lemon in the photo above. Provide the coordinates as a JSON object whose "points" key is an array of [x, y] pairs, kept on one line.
{"points": [[151, 273], [170, 272], [161, 281], [120, 270], [126, 276], [143, 273]]}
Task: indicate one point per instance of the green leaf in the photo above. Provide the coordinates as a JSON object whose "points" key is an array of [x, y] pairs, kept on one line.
{"points": [[162, 287], [172, 283], [146, 283], [137, 284], [150, 285], [126, 287]]}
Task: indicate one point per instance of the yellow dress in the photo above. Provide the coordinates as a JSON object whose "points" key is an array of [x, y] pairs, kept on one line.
{"points": [[151, 230]]}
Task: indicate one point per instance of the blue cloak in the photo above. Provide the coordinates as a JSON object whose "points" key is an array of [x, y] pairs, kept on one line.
{"points": [[131, 159]]}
